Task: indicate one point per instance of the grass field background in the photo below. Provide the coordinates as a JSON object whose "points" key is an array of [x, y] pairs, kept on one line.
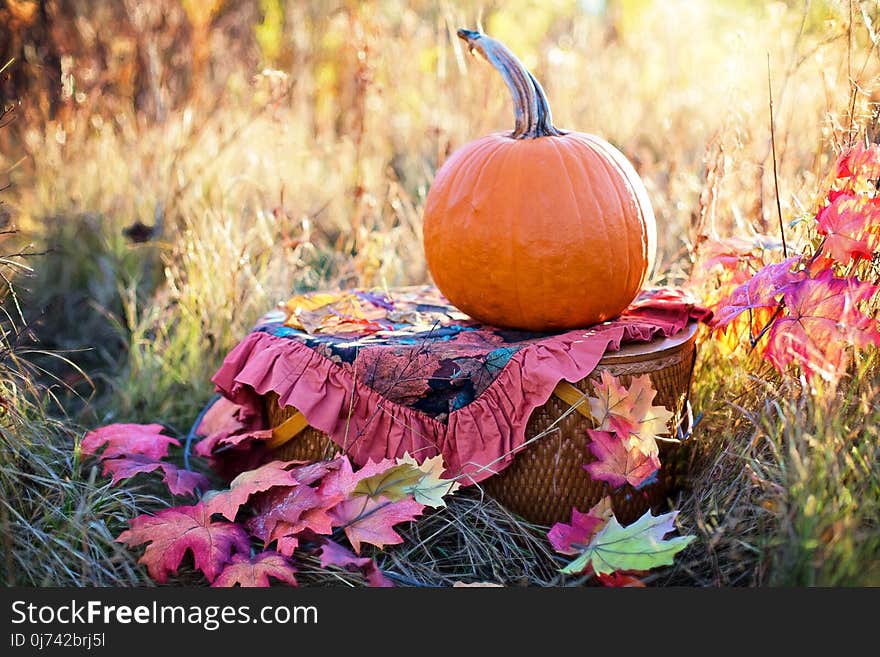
{"points": [[272, 147]]}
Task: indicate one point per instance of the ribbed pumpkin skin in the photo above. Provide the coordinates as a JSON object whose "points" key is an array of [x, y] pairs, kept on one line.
{"points": [[539, 234]]}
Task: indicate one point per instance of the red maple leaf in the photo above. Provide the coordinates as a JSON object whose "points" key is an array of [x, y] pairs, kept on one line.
{"points": [[255, 572], [399, 377], [283, 513], [368, 520], [859, 164], [128, 439], [179, 481], [573, 538], [620, 579], [172, 532], [617, 461], [849, 223], [280, 515], [309, 473], [822, 319], [274, 473], [728, 254], [333, 554], [227, 424], [763, 290]]}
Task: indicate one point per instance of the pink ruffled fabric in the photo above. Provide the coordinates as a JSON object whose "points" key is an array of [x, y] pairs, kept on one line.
{"points": [[478, 440]]}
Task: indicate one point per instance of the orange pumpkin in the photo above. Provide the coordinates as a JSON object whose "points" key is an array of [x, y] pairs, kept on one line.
{"points": [[539, 229]]}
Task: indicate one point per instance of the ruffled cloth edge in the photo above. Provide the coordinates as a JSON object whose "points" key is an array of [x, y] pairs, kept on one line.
{"points": [[476, 442]]}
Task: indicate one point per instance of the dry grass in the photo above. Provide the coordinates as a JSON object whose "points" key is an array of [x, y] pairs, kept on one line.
{"points": [[261, 185], [785, 484], [472, 540], [58, 519]]}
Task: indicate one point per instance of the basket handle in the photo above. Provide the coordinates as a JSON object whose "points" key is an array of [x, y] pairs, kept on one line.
{"points": [[287, 430], [573, 397]]}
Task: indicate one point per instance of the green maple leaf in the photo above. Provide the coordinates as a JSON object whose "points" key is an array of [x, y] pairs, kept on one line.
{"points": [[394, 483], [639, 546], [408, 479], [431, 488]]}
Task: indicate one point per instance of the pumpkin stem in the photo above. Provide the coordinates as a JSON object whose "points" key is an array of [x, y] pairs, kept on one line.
{"points": [[530, 106]]}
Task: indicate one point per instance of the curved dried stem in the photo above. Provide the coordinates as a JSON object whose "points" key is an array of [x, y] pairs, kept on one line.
{"points": [[531, 110]]}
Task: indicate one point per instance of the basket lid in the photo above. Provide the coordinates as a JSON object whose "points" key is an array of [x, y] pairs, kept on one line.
{"points": [[659, 347]]}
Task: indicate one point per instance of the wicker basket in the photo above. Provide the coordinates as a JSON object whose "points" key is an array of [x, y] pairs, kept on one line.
{"points": [[546, 478]]}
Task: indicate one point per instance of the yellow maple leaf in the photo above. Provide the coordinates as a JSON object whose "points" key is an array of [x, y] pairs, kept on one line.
{"points": [[603, 511], [304, 307], [612, 399], [650, 420], [630, 411]]}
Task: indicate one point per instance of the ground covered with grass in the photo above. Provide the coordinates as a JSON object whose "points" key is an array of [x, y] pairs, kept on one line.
{"points": [[189, 172]]}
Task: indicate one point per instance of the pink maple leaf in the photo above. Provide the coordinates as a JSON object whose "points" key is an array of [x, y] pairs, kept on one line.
{"points": [[227, 424], [172, 532], [574, 537], [309, 473], [255, 572], [244, 439], [178, 480], [849, 223], [612, 405], [223, 416], [368, 520], [617, 461], [281, 514], [181, 481], [762, 290], [630, 411], [343, 479], [822, 319], [860, 163], [269, 475], [333, 554], [286, 545], [128, 439]]}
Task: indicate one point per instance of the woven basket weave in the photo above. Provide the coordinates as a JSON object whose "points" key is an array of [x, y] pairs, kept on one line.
{"points": [[546, 478]]}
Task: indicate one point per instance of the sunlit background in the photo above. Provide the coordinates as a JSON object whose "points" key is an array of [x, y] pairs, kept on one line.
{"points": [[189, 163]]}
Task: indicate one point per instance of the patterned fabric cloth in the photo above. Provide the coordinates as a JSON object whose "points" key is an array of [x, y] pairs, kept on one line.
{"points": [[404, 371]]}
